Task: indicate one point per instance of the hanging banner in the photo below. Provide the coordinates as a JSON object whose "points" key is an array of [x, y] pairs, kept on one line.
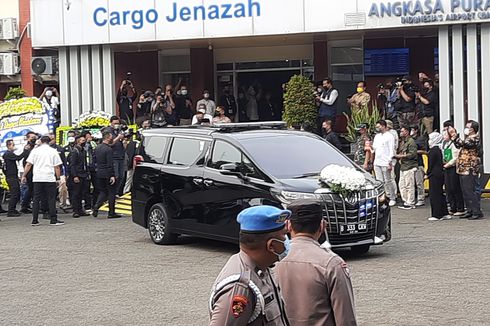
{"points": [[18, 117]]}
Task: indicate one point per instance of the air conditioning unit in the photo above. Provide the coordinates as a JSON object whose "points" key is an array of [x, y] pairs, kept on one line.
{"points": [[9, 29], [43, 66], [9, 64]]}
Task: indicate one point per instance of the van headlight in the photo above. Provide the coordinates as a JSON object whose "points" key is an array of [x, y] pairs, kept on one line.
{"points": [[289, 196]]}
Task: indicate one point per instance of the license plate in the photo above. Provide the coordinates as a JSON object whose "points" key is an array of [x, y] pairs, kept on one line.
{"points": [[353, 228]]}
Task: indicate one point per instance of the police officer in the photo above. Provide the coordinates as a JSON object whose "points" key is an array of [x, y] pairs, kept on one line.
{"points": [[90, 197], [315, 281], [245, 292], [68, 149], [78, 176]]}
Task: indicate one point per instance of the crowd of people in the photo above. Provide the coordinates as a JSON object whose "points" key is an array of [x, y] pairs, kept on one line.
{"points": [[173, 106], [81, 176]]}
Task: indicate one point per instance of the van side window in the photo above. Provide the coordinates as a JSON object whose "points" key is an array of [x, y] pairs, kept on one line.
{"points": [[224, 153], [185, 151], [153, 149]]}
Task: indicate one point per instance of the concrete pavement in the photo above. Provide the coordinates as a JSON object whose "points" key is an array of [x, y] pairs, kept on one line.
{"points": [[108, 272]]}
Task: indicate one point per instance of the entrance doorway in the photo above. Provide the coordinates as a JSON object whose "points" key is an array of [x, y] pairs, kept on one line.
{"points": [[258, 86]]}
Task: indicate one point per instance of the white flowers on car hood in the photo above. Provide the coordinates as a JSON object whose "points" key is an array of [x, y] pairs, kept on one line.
{"points": [[343, 178]]}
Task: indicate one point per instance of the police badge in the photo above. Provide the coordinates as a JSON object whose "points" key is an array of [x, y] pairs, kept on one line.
{"points": [[238, 305]]}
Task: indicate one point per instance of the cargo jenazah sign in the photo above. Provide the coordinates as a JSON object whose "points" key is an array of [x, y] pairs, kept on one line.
{"points": [[429, 11], [85, 22]]}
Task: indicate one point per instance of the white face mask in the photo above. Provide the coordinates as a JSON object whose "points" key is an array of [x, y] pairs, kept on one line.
{"points": [[183, 92], [206, 95], [466, 131]]}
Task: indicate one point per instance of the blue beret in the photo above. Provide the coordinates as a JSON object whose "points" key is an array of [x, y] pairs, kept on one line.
{"points": [[262, 219]]}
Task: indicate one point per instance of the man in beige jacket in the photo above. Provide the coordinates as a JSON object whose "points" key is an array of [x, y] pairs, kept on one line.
{"points": [[315, 282]]}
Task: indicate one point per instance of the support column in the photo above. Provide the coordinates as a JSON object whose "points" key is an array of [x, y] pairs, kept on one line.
{"points": [[75, 93], [202, 72], [485, 86], [458, 80], [97, 89], [320, 60], [444, 78], [108, 79], [64, 76], [25, 49], [472, 72], [86, 80]]}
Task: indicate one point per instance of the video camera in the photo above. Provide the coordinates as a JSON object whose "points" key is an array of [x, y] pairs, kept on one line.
{"points": [[380, 86], [128, 78]]}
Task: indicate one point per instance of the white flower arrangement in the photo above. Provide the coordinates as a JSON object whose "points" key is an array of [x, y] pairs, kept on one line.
{"points": [[93, 119], [343, 180]]}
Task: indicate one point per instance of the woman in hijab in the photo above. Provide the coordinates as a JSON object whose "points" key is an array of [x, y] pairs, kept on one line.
{"points": [[435, 174]]}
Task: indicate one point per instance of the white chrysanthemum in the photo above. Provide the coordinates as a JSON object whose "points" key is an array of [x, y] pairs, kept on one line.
{"points": [[344, 177]]}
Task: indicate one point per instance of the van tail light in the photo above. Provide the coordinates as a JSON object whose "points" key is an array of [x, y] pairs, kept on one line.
{"points": [[137, 160]]}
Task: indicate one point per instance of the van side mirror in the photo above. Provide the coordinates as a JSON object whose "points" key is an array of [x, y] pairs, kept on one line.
{"points": [[233, 170]]}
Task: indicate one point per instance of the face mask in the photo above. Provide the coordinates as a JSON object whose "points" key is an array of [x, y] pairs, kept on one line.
{"points": [[378, 129], [360, 89], [117, 126], [206, 96], [71, 140], [287, 246], [466, 131], [83, 144], [183, 92], [413, 133], [319, 90]]}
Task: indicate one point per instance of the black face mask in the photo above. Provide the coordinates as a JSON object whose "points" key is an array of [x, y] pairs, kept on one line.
{"points": [[82, 144]]}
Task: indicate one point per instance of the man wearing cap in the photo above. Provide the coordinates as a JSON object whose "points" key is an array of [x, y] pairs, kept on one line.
{"points": [[245, 292], [362, 154], [315, 281]]}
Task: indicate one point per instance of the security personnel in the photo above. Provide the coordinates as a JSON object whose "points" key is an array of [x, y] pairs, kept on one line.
{"points": [[315, 281], [245, 292], [78, 176]]}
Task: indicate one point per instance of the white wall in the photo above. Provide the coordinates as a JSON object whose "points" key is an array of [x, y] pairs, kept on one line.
{"points": [[9, 9]]}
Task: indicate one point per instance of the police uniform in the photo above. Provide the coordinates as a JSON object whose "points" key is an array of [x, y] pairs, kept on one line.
{"points": [[243, 293], [316, 284]]}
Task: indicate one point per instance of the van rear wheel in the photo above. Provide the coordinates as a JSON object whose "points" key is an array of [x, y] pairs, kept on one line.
{"points": [[159, 226]]}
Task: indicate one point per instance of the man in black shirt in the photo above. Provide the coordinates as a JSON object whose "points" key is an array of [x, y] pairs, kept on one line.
{"points": [[12, 176], [429, 101], [78, 176], [31, 138], [330, 135], [405, 104], [227, 100], [126, 101], [183, 106], [106, 177], [118, 151]]}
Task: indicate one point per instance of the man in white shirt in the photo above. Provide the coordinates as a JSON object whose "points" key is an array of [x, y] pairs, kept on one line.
{"points": [[209, 103], [384, 152], [326, 98], [45, 163], [51, 98], [200, 115], [389, 125]]}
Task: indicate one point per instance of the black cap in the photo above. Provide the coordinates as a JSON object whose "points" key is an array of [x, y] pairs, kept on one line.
{"points": [[306, 210], [361, 126], [407, 77]]}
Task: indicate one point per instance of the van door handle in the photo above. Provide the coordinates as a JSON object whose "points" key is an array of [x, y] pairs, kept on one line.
{"points": [[197, 181], [208, 183]]}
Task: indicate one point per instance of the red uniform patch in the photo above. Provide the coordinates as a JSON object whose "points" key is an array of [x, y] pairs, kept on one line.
{"points": [[345, 267], [238, 305]]}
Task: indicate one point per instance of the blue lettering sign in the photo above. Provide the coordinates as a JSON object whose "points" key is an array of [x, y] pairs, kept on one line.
{"points": [[250, 8], [97, 21]]}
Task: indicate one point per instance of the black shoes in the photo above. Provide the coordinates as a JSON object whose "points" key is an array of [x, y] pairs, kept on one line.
{"points": [[76, 215], [14, 214], [475, 217], [35, 223], [115, 215], [466, 215], [26, 210], [57, 222], [2, 210], [95, 213]]}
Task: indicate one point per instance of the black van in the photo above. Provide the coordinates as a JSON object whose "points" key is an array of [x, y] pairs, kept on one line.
{"points": [[195, 180]]}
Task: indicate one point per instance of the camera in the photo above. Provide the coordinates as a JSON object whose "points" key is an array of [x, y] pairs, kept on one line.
{"points": [[414, 88], [380, 86], [128, 78]]}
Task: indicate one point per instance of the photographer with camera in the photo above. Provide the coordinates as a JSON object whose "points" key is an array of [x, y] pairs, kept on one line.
{"points": [[388, 94], [124, 100], [143, 108], [428, 100], [163, 111], [326, 96], [405, 105]]}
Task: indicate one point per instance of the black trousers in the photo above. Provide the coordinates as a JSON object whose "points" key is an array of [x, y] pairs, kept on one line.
{"points": [[471, 193], [454, 193], [26, 199], [106, 192], [438, 203], [95, 189], [47, 189], [14, 189], [78, 191]]}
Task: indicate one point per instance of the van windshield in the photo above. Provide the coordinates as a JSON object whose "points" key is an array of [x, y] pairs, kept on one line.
{"points": [[294, 156]]}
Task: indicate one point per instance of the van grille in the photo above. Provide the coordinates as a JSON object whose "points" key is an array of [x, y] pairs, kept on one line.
{"points": [[359, 208]]}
